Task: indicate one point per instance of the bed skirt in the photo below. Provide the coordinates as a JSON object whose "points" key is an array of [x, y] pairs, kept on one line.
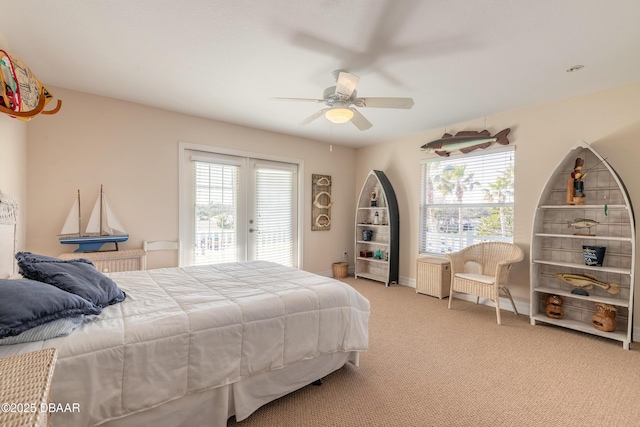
{"points": [[215, 406]]}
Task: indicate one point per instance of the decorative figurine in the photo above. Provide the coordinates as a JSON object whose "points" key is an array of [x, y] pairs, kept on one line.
{"points": [[376, 218], [605, 317], [580, 282], [554, 308], [583, 223], [374, 200], [575, 185]]}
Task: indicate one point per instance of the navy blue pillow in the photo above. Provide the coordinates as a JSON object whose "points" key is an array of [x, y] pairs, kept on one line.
{"points": [[25, 304], [78, 276]]}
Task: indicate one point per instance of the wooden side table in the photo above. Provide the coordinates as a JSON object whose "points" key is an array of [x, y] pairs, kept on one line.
{"points": [[112, 261], [25, 384]]}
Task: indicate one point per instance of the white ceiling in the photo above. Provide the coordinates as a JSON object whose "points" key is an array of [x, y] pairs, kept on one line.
{"points": [[224, 59]]}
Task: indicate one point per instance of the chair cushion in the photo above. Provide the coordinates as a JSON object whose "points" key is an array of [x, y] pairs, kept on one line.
{"points": [[489, 280]]}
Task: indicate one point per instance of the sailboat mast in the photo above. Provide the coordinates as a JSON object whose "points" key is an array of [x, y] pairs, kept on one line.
{"points": [[101, 209], [79, 216]]}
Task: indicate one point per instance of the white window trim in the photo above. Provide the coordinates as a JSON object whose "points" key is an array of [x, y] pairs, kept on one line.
{"points": [[183, 213]]}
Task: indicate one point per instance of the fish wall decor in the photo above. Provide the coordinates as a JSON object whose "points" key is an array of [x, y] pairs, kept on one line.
{"points": [[584, 281], [465, 142]]}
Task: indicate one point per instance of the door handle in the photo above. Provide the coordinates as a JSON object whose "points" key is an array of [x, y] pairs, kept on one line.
{"points": [[251, 230]]}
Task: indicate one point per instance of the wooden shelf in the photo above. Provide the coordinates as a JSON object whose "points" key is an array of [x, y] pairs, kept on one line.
{"points": [[376, 277], [609, 207], [583, 327], [372, 259], [583, 267], [582, 236], [618, 302], [371, 242], [565, 250]]}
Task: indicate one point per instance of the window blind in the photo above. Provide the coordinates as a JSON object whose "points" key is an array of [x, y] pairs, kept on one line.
{"points": [[466, 199]]}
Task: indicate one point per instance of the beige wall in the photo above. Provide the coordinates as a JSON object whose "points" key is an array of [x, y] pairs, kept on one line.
{"points": [[133, 151], [13, 168], [543, 136]]}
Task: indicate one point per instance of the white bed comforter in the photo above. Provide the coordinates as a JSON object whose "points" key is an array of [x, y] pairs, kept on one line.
{"points": [[184, 330]]}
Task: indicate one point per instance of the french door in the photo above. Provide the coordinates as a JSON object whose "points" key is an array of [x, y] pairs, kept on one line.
{"points": [[238, 208]]}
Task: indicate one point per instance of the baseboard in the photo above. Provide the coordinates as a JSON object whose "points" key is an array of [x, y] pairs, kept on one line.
{"points": [[505, 304]]}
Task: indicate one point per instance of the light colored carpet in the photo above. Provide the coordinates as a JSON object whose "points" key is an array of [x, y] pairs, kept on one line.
{"points": [[430, 366]]}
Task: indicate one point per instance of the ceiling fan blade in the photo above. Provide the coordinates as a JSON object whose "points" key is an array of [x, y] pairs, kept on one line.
{"points": [[346, 84], [313, 117], [296, 99], [359, 120], [404, 103]]}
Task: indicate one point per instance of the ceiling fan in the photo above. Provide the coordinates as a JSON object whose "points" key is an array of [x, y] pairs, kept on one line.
{"points": [[341, 98]]}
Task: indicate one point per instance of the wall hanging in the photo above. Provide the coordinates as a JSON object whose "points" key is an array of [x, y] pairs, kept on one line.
{"points": [[322, 202], [23, 95], [465, 142]]}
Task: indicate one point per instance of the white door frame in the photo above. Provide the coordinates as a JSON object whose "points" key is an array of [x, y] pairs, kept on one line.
{"points": [[184, 211]]}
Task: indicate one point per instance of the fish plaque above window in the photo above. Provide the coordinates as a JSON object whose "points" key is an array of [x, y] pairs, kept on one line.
{"points": [[465, 142]]}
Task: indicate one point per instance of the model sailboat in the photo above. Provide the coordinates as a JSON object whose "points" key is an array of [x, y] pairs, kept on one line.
{"points": [[103, 227]]}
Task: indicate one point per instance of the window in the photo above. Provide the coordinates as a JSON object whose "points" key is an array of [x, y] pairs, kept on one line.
{"points": [[466, 199]]}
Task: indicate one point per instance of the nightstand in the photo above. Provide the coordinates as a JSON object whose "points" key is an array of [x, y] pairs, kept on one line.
{"points": [[25, 383]]}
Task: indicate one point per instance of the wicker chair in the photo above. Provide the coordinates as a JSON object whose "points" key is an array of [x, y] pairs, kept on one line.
{"points": [[482, 270]]}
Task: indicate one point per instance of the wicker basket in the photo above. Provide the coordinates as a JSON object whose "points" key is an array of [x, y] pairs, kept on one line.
{"points": [[26, 380], [340, 269], [434, 277]]}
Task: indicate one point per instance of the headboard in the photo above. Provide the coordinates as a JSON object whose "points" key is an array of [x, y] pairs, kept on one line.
{"points": [[8, 227]]}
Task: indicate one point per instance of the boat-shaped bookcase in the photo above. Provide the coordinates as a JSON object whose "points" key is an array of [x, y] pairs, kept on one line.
{"points": [[557, 247], [377, 258]]}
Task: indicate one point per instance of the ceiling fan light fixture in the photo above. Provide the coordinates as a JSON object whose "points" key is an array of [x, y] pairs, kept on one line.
{"points": [[339, 115]]}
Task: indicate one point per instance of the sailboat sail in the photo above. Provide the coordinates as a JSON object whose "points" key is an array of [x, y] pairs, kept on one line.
{"points": [[110, 225], [94, 226], [72, 224]]}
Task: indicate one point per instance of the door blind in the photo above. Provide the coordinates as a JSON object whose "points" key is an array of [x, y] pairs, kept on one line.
{"points": [[216, 212], [275, 215]]}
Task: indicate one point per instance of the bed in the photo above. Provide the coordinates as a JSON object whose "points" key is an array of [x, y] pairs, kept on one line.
{"points": [[196, 345]]}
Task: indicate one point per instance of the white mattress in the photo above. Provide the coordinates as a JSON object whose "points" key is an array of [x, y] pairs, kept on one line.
{"points": [[182, 331]]}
